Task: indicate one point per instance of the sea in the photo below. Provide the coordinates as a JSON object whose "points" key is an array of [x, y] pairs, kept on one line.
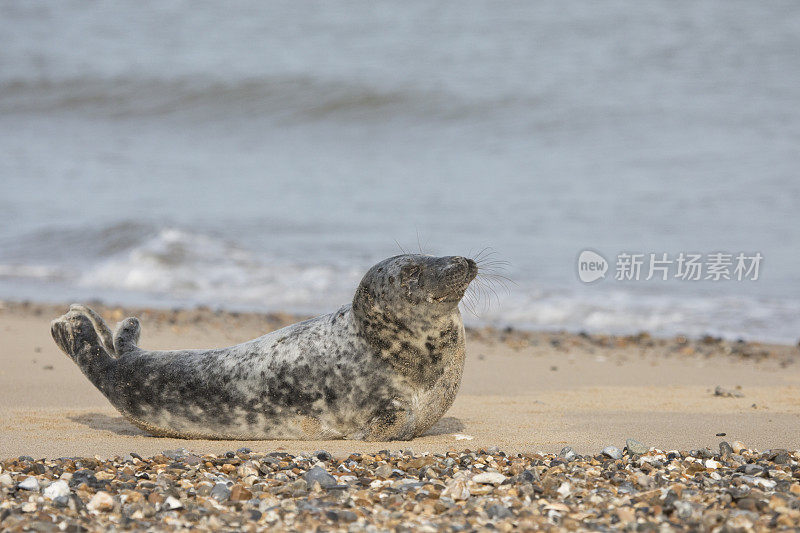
{"points": [[262, 155]]}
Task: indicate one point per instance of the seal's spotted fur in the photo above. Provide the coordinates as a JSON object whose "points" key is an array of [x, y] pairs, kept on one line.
{"points": [[386, 367]]}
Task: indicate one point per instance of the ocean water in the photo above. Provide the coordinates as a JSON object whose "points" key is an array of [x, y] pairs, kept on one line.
{"points": [[262, 156]]}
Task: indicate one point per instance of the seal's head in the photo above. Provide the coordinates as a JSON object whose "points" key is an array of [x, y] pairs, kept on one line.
{"points": [[415, 285]]}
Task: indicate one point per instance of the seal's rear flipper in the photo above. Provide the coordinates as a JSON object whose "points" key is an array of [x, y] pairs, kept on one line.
{"points": [[77, 337], [126, 335]]}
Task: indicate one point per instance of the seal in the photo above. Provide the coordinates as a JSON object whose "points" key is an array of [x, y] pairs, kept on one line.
{"points": [[385, 367]]}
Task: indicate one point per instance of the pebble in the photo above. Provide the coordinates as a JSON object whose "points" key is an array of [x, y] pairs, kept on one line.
{"points": [[239, 493], [56, 489], [172, 503], [727, 393], [635, 447], [321, 476], [384, 471], [613, 452], [101, 502], [29, 483], [324, 456], [725, 449], [567, 453], [490, 478], [220, 492], [498, 512], [6, 481]]}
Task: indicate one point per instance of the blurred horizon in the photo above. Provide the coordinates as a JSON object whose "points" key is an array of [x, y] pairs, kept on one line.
{"points": [[263, 157]]}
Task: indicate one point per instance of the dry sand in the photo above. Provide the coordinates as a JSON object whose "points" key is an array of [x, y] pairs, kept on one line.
{"points": [[521, 391]]}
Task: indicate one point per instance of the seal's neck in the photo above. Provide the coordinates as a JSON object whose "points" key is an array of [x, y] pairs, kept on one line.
{"points": [[418, 343]]}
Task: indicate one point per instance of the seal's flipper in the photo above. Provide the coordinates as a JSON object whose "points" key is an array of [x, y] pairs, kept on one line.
{"points": [[99, 326], [126, 336], [75, 334]]}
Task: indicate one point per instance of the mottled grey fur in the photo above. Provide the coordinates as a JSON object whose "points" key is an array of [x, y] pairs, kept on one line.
{"points": [[386, 367]]}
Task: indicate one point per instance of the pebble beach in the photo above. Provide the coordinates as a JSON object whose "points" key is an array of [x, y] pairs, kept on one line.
{"points": [[635, 489], [550, 430]]}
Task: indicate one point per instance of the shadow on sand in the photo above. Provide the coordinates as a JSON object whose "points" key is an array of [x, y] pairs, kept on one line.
{"points": [[114, 424], [448, 424], [120, 426]]}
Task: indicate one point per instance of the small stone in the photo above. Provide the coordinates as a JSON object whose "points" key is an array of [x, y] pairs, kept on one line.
{"points": [[29, 483], [752, 470], [101, 502], [29, 507], [239, 493], [56, 489], [726, 393], [529, 476], [172, 503], [567, 453], [175, 454], [613, 452], [635, 447], [456, 489], [489, 478], [725, 449], [321, 476], [323, 456], [220, 492], [6, 481], [498, 512], [565, 489], [738, 447], [781, 458], [384, 471], [626, 514]]}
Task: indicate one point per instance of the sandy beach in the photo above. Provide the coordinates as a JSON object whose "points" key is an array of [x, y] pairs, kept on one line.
{"points": [[521, 392]]}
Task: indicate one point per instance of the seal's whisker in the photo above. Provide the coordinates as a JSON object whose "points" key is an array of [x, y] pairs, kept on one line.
{"points": [[493, 263], [469, 307], [498, 280], [489, 291], [401, 248], [479, 297], [469, 302], [484, 254], [419, 244]]}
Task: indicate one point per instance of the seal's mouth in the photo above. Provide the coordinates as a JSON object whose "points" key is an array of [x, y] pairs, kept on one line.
{"points": [[454, 279]]}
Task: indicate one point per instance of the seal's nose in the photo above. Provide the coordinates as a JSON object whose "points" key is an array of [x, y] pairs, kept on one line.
{"points": [[460, 267], [472, 269]]}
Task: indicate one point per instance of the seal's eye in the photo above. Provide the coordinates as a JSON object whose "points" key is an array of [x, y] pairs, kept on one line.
{"points": [[409, 275]]}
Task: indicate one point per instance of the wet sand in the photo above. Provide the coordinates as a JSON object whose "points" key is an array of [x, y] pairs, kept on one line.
{"points": [[521, 391]]}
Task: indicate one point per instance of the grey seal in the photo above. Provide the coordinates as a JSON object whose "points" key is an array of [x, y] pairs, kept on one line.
{"points": [[385, 367]]}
